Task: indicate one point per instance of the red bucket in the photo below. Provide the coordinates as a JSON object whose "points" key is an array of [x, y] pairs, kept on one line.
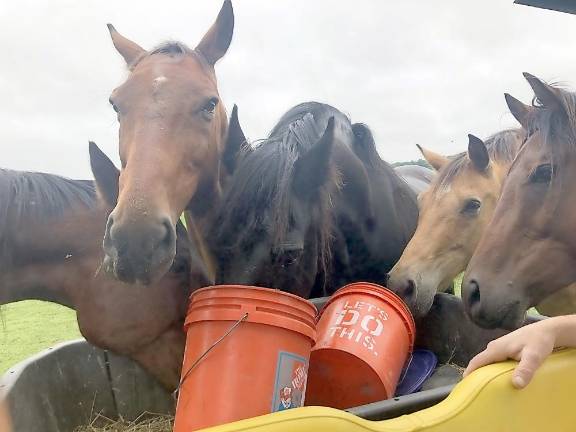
{"points": [[364, 337], [247, 351]]}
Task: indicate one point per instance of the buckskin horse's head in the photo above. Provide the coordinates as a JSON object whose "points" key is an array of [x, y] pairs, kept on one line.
{"points": [[454, 212], [172, 130]]}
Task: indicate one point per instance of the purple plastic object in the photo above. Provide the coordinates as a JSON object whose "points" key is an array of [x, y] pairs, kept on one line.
{"points": [[420, 367]]}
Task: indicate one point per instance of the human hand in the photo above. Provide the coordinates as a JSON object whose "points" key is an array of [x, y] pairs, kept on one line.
{"points": [[530, 345]]}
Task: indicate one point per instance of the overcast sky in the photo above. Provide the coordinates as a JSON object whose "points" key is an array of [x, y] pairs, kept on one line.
{"points": [[426, 72]]}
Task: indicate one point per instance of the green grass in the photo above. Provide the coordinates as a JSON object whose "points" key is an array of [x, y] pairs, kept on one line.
{"points": [[30, 326]]}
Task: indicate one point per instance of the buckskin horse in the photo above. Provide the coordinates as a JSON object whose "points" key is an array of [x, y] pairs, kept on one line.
{"points": [[454, 212], [295, 199], [172, 130], [51, 231], [529, 252]]}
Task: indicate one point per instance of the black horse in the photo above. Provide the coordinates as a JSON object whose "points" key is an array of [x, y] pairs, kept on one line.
{"points": [[310, 208]]}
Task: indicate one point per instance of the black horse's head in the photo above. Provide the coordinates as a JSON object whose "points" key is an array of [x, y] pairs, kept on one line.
{"points": [[274, 226]]}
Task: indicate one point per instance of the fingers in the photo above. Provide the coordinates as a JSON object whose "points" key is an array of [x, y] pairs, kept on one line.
{"points": [[530, 361], [492, 354]]}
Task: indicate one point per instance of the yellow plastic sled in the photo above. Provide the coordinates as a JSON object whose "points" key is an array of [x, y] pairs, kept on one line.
{"points": [[483, 402]]}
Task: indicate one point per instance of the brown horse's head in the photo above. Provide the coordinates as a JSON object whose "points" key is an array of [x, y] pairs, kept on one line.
{"points": [[529, 249], [172, 127], [453, 213]]}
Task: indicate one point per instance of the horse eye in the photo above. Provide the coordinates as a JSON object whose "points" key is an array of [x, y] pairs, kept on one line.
{"points": [[542, 174], [471, 206], [210, 106]]}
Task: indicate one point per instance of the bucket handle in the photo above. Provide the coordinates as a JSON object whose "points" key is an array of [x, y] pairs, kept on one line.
{"points": [[210, 348]]}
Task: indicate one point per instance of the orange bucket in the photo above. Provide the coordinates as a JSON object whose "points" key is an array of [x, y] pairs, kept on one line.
{"points": [[247, 352], [365, 335]]}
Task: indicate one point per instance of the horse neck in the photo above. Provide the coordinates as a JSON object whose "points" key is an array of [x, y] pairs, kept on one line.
{"points": [[400, 199], [40, 282], [379, 247], [51, 261], [206, 273]]}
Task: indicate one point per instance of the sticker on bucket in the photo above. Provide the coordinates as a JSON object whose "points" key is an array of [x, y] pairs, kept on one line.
{"points": [[290, 384], [361, 322]]}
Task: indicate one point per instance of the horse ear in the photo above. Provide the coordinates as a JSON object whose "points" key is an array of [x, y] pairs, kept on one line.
{"points": [[127, 49], [105, 173], [216, 41], [436, 160], [236, 143], [520, 111], [546, 94], [312, 169], [478, 153]]}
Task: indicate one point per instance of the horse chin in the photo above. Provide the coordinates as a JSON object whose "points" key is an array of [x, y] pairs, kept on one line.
{"points": [[510, 317], [514, 319], [425, 292], [137, 274], [423, 303]]}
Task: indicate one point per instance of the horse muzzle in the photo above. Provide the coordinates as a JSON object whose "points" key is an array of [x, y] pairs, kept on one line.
{"points": [[139, 252], [488, 310]]}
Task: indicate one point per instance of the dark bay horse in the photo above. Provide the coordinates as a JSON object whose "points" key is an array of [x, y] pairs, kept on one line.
{"points": [[51, 230], [172, 131], [300, 212], [529, 251], [454, 212], [372, 251]]}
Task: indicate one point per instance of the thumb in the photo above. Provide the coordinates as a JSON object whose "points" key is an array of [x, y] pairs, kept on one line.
{"points": [[529, 362]]}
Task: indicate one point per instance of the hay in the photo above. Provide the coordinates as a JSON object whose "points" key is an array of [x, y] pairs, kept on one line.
{"points": [[146, 422]]}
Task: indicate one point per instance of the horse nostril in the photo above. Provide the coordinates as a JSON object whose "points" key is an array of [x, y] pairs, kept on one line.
{"points": [[406, 290], [108, 241], [410, 289], [474, 296], [169, 235]]}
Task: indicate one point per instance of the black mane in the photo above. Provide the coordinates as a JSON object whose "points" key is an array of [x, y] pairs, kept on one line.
{"points": [[30, 197], [170, 48], [556, 125], [502, 146]]}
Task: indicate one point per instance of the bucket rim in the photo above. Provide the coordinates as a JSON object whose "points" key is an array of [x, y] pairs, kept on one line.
{"points": [[298, 314], [257, 289], [380, 292]]}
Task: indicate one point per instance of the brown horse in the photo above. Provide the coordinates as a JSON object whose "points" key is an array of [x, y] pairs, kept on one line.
{"points": [[50, 242], [172, 131], [529, 252], [454, 212]]}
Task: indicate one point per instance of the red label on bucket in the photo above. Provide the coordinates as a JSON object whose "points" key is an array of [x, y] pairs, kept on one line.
{"points": [[360, 322], [290, 383]]}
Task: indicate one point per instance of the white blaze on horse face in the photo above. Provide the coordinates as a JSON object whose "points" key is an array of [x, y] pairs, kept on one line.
{"points": [[157, 82]]}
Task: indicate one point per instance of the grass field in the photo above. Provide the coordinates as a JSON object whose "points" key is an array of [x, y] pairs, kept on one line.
{"points": [[30, 326]]}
